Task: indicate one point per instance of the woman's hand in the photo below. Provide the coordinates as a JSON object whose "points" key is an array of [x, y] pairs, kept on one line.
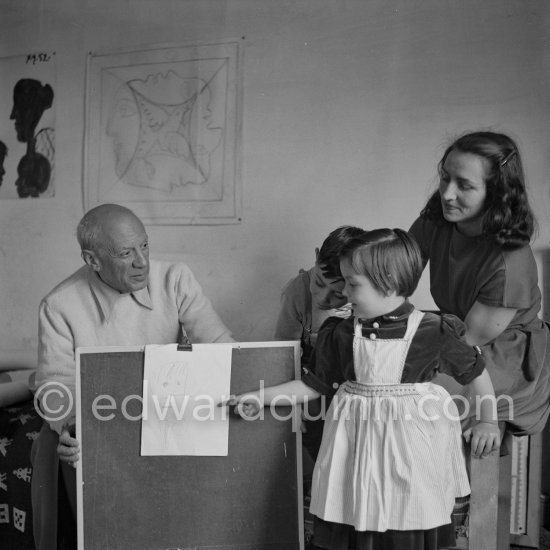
{"points": [[484, 438], [68, 448]]}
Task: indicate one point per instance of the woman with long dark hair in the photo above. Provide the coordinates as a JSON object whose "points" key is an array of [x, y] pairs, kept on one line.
{"points": [[475, 231]]}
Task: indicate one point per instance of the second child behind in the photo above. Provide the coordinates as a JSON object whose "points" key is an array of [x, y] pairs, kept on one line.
{"points": [[391, 461]]}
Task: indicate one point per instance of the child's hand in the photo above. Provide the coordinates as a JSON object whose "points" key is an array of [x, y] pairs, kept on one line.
{"points": [[484, 438], [245, 405], [343, 312]]}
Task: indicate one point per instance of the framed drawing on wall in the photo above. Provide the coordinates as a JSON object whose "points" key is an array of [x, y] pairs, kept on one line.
{"points": [[27, 134], [163, 133]]}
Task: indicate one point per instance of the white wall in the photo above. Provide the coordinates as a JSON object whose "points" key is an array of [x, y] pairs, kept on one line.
{"points": [[347, 106]]}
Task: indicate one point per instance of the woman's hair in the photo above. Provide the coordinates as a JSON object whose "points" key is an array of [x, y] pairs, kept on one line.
{"points": [[389, 258], [328, 258], [508, 218]]}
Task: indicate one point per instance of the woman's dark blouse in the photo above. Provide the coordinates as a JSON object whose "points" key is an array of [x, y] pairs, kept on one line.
{"points": [[437, 346], [465, 270]]}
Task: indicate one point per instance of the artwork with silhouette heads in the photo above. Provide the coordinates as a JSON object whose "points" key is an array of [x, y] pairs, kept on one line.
{"points": [[28, 92], [163, 133], [30, 100]]}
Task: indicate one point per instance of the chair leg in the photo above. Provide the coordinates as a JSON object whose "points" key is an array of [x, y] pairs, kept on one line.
{"points": [[483, 523], [504, 496]]}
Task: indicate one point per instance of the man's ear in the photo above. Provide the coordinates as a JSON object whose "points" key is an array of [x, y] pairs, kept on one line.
{"points": [[316, 254], [91, 259]]}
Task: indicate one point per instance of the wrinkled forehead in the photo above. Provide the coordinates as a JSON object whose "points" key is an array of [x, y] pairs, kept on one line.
{"points": [[123, 230]]}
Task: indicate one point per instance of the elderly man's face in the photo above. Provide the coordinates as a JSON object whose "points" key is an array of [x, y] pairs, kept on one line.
{"points": [[124, 258]]}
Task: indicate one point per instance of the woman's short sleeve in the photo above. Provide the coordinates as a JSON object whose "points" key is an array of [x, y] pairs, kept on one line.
{"points": [[457, 358], [510, 281]]}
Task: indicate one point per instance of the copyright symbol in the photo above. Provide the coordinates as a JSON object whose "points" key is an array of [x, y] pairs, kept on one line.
{"points": [[53, 401]]}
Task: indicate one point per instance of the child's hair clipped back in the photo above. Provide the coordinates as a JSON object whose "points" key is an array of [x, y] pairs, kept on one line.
{"points": [[389, 258]]}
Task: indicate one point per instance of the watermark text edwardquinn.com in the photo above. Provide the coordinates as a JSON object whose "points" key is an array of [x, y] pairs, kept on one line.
{"points": [[54, 402]]}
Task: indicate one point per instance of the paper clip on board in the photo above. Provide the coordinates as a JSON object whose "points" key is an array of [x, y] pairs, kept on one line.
{"points": [[186, 345]]}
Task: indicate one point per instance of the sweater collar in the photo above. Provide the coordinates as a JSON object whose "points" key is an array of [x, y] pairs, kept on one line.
{"points": [[107, 297]]}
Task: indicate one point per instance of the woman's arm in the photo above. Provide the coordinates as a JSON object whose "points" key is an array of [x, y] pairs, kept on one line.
{"points": [[485, 435], [484, 323]]}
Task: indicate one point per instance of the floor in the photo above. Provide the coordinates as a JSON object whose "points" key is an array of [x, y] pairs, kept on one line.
{"points": [[544, 541]]}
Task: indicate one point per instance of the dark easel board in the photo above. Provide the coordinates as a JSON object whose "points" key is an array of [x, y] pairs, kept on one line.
{"points": [[248, 500]]}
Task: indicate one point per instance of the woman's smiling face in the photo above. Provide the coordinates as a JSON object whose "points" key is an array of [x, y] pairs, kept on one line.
{"points": [[463, 190]]}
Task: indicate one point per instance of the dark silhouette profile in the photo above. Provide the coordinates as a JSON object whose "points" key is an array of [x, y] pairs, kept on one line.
{"points": [[30, 100], [3, 155]]}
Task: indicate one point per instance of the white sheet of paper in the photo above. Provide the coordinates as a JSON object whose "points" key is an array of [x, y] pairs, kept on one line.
{"points": [[181, 391]]}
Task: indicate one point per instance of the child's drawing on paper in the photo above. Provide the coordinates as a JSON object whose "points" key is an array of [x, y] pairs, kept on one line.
{"points": [[180, 392], [171, 388]]}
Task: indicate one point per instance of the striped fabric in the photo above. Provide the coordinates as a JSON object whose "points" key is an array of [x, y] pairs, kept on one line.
{"points": [[391, 456]]}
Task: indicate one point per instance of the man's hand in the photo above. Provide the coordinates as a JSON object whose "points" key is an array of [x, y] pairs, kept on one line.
{"points": [[68, 448]]}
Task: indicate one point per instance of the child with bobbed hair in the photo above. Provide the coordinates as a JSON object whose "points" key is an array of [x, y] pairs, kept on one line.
{"points": [[391, 461]]}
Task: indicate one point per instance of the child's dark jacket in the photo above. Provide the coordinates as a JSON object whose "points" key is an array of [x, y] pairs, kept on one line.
{"points": [[437, 346]]}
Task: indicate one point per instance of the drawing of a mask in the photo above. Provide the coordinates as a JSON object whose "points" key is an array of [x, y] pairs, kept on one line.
{"points": [[162, 132]]}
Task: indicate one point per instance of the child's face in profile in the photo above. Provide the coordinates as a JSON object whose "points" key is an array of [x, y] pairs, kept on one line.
{"points": [[326, 293], [366, 300]]}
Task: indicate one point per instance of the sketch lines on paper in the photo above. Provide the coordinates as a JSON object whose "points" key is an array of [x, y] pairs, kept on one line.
{"points": [[180, 395], [171, 388], [162, 129]]}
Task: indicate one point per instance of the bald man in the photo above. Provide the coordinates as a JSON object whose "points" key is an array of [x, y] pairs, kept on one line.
{"points": [[118, 298]]}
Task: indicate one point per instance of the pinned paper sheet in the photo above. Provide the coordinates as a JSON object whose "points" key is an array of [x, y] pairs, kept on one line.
{"points": [[181, 392]]}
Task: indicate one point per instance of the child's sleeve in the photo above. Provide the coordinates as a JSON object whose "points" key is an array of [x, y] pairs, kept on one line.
{"points": [[324, 371], [458, 358]]}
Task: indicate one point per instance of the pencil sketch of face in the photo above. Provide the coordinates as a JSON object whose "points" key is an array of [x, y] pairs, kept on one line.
{"points": [[171, 388], [206, 134], [152, 127], [123, 128]]}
